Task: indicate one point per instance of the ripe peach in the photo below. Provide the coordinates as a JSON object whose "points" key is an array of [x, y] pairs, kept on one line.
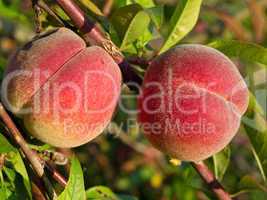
{"points": [[191, 102], [64, 92], [35, 62]]}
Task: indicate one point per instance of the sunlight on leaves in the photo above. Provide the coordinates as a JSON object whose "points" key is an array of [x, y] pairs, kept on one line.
{"points": [[182, 22], [75, 186]]}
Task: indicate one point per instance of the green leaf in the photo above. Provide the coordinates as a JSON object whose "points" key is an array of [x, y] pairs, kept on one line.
{"points": [[244, 50], [120, 3], [221, 161], [12, 12], [18, 164], [122, 18], [10, 173], [3, 189], [75, 186], [104, 193], [253, 121], [145, 3], [248, 184], [42, 147], [3, 193], [91, 6], [136, 28], [255, 126], [100, 192], [5, 146], [182, 22], [15, 185], [157, 15], [130, 23]]}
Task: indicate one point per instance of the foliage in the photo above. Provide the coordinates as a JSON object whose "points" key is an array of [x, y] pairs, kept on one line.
{"points": [[125, 164]]}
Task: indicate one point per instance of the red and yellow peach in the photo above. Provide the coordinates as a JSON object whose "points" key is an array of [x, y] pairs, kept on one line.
{"points": [[191, 102], [64, 92]]}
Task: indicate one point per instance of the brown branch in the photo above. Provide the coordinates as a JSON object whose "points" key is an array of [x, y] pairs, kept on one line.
{"points": [[55, 174], [211, 181], [35, 161], [107, 7], [16, 135], [37, 193], [2, 160], [94, 35]]}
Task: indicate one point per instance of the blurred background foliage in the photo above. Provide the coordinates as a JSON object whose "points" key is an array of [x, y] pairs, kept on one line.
{"points": [[122, 159]]}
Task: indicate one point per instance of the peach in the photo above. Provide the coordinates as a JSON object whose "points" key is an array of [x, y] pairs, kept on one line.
{"points": [[191, 102], [35, 62], [64, 92]]}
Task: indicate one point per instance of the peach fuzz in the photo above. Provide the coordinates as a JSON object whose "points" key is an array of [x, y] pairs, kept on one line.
{"points": [[35, 62], [73, 97], [191, 102]]}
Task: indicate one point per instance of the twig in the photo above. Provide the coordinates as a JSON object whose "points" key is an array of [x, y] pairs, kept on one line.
{"points": [[37, 193], [94, 35], [37, 14], [47, 9], [2, 160], [211, 181], [107, 7], [36, 162], [55, 174], [16, 135]]}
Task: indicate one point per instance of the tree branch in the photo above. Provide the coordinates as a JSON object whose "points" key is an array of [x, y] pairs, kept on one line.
{"points": [[36, 162], [37, 193], [209, 178], [16, 135], [55, 174]]}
